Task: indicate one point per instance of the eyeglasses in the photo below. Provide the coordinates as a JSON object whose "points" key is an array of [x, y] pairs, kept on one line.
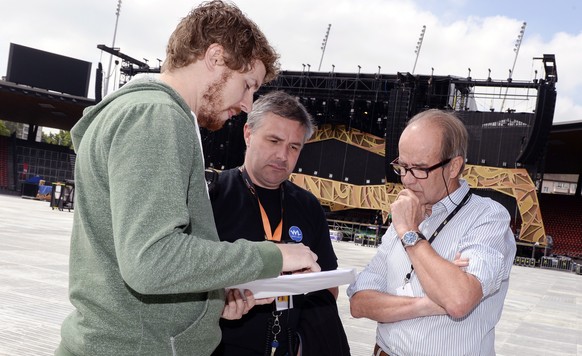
{"points": [[417, 172]]}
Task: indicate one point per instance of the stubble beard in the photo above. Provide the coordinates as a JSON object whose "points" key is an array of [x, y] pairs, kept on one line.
{"points": [[209, 114]]}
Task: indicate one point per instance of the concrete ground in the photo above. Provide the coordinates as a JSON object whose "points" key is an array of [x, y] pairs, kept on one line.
{"points": [[542, 314]]}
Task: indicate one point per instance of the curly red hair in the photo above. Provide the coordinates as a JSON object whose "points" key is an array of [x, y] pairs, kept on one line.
{"points": [[225, 24]]}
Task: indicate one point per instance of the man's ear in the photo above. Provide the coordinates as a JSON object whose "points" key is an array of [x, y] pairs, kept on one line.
{"points": [[214, 56], [247, 134], [457, 166]]}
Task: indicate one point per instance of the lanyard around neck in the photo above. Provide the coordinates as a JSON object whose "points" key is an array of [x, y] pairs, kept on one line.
{"points": [[269, 235], [441, 226]]}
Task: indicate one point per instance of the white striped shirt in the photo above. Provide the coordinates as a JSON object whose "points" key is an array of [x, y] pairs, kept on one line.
{"points": [[480, 231]]}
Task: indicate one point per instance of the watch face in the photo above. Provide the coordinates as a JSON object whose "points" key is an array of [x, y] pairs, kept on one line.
{"points": [[410, 237]]}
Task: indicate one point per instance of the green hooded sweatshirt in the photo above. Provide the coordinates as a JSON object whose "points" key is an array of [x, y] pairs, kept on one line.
{"points": [[147, 270]]}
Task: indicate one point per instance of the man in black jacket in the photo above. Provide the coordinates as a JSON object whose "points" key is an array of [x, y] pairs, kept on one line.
{"points": [[257, 202]]}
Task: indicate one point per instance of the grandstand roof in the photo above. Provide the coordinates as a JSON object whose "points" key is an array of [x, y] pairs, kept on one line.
{"points": [[41, 107], [564, 149]]}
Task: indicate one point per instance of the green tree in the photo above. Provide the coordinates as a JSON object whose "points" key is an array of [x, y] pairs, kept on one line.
{"points": [[61, 138], [4, 131]]}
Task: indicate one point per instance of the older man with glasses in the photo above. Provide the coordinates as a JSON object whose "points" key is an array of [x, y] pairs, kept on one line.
{"points": [[439, 280]]}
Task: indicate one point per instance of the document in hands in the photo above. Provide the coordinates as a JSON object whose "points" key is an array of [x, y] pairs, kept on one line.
{"points": [[300, 283]]}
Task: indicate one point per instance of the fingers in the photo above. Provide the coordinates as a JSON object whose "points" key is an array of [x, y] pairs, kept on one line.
{"points": [[407, 213], [236, 305], [231, 307], [406, 194], [314, 267], [297, 257], [459, 261], [263, 301], [248, 299]]}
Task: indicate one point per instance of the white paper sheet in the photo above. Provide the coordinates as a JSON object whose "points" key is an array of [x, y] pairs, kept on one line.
{"points": [[298, 283]]}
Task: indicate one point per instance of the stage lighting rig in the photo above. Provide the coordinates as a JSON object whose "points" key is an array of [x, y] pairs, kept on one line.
{"points": [[130, 66]]}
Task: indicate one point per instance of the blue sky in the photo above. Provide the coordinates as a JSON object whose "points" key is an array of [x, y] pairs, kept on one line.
{"points": [[460, 34], [544, 18]]}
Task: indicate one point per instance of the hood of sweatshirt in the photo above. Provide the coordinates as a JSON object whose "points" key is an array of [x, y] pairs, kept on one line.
{"points": [[137, 84]]}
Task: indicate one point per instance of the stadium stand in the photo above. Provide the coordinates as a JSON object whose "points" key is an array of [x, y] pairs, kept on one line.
{"points": [[562, 221], [4, 162]]}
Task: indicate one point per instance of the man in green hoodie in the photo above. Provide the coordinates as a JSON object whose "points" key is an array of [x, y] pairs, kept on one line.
{"points": [[147, 270]]}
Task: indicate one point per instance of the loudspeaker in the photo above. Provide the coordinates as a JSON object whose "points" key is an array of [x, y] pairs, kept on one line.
{"points": [[99, 83], [544, 116], [398, 111]]}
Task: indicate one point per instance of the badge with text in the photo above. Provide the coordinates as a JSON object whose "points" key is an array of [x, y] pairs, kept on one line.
{"points": [[295, 233], [284, 302]]}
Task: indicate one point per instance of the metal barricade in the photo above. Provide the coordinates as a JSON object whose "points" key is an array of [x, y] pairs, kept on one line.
{"points": [[62, 196]]}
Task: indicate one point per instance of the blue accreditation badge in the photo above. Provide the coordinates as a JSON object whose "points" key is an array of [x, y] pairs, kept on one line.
{"points": [[295, 234]]}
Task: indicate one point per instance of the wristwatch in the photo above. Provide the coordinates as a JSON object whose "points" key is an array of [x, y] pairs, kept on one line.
{"points": [[411, 238]]}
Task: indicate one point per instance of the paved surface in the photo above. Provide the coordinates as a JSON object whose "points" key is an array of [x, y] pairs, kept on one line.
{"points": [[542, 314]]}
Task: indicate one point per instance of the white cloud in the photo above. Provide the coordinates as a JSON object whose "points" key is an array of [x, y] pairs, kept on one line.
{"points": [[367, 33], [567, 110]]}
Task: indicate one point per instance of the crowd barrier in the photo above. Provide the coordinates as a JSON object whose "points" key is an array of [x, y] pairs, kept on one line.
{"points": [[62, 196], [558, 262], [524, 261]]}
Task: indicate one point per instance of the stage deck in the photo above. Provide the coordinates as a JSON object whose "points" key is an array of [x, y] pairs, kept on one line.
{"points": [[542, 314]]}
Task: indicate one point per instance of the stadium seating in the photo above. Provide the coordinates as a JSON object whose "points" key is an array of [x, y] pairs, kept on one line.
{"points": [[561, 215]]}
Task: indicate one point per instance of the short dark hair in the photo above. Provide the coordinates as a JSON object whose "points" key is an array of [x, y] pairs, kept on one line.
{"points": [[225, 24], [284, 105]]}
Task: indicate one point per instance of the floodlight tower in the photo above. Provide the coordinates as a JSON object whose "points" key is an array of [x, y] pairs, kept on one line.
{"points": [[323, 45], [418, 45], [106, 88], [516, 50]]}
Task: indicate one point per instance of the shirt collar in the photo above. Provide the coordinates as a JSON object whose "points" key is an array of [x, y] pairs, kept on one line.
{"points": [[456, 197]]}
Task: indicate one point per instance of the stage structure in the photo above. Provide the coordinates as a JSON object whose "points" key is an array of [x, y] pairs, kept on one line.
{"points": [[381, 104], [360, 117]]}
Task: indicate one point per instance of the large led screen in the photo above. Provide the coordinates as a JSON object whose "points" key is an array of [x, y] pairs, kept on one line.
{"points": [[47, 70]]}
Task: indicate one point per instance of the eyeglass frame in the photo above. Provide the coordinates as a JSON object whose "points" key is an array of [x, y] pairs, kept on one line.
{"points": [[427, 170]]}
